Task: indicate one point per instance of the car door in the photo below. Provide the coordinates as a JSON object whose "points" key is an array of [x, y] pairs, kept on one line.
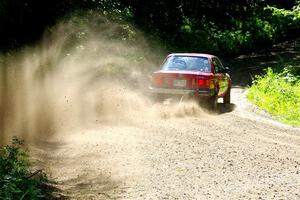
{"points": [[222, 78]]}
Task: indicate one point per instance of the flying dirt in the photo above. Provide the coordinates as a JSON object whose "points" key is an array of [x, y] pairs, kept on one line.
{"points": [[77, 73], [79, 101]]}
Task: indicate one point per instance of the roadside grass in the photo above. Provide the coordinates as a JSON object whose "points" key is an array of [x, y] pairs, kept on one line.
{"points": [[278, 93], [16, 180]]}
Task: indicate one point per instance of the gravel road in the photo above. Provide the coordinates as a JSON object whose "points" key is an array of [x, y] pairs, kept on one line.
{"points": [[239, 153]]}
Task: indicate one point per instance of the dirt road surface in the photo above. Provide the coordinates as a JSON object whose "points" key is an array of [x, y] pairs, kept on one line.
{"points": [[239, 153], [185, 153]]}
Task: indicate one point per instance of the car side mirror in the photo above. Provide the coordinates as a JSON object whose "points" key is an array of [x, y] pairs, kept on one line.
{"points": [[226, 70]]}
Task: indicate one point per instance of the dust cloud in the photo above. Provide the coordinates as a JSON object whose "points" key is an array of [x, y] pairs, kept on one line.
{"points": [[85, 70]]}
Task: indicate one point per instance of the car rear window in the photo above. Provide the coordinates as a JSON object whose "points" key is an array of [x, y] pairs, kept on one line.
{"points": [[186, 63]]}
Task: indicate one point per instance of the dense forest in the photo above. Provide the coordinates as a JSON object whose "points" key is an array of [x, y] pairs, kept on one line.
{"points": [[223, 27]]}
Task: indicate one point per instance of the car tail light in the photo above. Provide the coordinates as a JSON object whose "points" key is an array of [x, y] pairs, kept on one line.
{"points": [[203, 83], [206, 83], [157, 81]]}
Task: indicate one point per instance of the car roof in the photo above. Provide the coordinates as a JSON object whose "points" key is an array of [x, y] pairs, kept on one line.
{"points": [[192, 54]]}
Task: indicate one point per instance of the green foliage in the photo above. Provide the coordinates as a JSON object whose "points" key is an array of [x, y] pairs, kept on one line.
{"points": [[14, 172], [284, 19], [279, 94], [221, 27], [242, 36], [196, 38]]}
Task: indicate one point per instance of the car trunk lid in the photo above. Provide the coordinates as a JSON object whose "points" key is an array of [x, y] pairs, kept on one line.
{"points": [[181, 79]]}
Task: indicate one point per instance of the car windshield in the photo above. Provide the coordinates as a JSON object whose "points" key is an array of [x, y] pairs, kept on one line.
{"points": [[190, 63]]}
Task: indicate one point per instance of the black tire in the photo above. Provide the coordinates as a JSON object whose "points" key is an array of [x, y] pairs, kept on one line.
{"points": [[213, 103], [226, 98], [158, 98]]}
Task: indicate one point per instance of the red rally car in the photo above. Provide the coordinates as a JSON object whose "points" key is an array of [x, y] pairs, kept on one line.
{"points": [[200, 76]]}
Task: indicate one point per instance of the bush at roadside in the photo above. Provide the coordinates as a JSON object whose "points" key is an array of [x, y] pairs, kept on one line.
{"points": [[279, 94], [15, 177]]}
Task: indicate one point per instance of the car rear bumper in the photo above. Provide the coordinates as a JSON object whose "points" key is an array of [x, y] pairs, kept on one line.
{"points": [[191, 92]]}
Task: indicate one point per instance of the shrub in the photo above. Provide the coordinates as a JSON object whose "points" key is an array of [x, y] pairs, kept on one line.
{"points": [[284, 19], [241, 36], [15, 181], [279, 94]]}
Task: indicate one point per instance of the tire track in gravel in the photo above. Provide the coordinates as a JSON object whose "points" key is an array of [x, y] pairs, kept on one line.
{"points": [[239, 153], [232, 155]]}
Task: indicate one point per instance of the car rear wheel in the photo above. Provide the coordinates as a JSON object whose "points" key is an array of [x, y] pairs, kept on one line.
{"points": [[226, 98], [213, 103], [158, 98]]}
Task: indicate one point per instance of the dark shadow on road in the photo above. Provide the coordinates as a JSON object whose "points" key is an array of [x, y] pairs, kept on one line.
{"points": [[222, 109], [53, 193]]}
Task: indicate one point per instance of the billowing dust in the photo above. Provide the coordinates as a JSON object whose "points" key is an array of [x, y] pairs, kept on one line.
{"points": [[85, 70]]}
